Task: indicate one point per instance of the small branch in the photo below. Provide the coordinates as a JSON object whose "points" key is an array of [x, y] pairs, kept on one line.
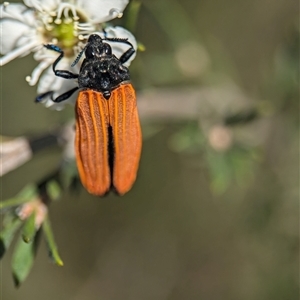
{"points": [[172, 104]]}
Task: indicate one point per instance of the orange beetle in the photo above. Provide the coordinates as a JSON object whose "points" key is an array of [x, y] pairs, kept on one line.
{"points": [[108, 138]]}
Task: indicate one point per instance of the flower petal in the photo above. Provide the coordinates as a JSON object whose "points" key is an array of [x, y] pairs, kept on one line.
{"points": [[38, 70], [42, 5], [119, 48], [17, 52], [100, 11], [17, 12], [14, 34]]}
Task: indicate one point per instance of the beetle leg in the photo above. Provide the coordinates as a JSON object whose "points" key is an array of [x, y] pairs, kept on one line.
{"points": [[65, 95], [40, 97], [127, 54], [60, 73]]}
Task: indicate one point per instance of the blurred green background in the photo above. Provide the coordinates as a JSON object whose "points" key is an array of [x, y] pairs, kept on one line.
{"points": [[214, 213]]}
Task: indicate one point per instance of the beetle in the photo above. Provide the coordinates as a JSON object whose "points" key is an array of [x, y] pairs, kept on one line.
{"points": [[108, 138]]}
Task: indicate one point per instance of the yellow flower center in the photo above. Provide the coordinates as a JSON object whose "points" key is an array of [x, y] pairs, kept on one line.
{"points": [[64, 33], [66, 27]]}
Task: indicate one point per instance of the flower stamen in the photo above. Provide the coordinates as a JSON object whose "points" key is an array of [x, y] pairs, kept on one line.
{"points": [[115, 13], [65, 9], [57, 21], [36, 73]]}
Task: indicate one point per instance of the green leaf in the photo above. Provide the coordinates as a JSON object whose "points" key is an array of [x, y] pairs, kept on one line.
{"points": [[8, 217], [132, 14], [29, 229], [23, 258], [53, 190], [151, 130], [27, 192], [68, 172], [189, 139], [221, 172], [7, 235], [23, 196], [51, 242]]}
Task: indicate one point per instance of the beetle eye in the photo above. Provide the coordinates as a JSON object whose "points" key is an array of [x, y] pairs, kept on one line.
{"points": [[89, 53], [106, 49]]}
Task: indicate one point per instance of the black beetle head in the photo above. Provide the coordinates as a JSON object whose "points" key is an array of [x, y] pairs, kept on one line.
{"points": [[96, 48]]}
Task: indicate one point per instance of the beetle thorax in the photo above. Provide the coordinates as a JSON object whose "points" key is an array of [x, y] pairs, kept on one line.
{"points": [[102, 74]]}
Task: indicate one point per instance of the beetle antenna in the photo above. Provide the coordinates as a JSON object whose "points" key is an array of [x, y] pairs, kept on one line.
{"points": [[78, 57], [119, 40]]}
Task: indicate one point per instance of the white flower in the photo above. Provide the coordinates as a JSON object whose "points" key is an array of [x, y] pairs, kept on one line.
{"points": [[14, 152], [26, 28]]}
